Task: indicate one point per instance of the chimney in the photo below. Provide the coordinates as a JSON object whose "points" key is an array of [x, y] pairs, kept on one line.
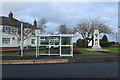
{"points": [[35, 23], [10, 14]]}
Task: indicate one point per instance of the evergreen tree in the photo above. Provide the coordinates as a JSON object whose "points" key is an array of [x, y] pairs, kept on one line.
{"points": [[104, 38]]}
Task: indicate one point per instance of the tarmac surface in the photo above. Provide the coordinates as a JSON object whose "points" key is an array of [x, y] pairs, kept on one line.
{"points": [[79, 66], [66, 70]]}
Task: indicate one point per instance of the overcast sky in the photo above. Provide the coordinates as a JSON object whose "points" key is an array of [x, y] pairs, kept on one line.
{"points": [[68, 13]]}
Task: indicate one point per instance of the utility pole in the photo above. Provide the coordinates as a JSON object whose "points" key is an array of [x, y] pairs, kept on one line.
{"points": [[116, 38], [21, 39]]}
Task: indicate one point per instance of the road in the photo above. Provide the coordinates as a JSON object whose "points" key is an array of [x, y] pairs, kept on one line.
{"points": [[68, 70]]}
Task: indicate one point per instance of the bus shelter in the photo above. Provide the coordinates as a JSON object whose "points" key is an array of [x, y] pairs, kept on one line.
{"points": [[61, 45]]}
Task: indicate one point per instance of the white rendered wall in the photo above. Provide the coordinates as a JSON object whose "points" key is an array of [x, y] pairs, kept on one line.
{"points": [[13, 42], [1, 35]]}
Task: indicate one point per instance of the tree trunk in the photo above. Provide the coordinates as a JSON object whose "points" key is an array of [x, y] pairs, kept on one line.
{"points": [[19, 50], [86, 43]]}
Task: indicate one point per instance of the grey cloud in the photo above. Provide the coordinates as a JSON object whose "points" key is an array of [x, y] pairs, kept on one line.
{"points": [[62, 12]]}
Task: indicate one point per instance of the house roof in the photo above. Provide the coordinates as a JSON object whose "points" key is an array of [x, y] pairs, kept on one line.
{"points": [[6, 21]]}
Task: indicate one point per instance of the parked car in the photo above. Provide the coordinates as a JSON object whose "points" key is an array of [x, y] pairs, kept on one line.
{"points": [[53, 45]]}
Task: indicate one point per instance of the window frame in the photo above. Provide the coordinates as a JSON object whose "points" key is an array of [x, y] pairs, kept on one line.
{"points": [[6, 40], [6, 29], [32, 41]]}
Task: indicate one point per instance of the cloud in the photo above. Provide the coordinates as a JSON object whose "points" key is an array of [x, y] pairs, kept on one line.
{"points": [[62, 12]]}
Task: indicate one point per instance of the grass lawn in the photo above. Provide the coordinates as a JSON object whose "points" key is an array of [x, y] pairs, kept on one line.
{"points": [[83, 51], [113, 50], [19, 49], [10, 50], [26, 54]]}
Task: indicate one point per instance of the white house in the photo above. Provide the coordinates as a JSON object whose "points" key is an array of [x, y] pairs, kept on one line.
{"points": [[8, 40]]}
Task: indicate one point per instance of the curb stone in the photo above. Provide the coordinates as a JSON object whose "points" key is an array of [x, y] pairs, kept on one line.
{"points": [[40, 61], [50, 61], [84, 61]]}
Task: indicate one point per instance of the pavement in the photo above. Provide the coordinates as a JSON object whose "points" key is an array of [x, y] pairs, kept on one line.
{"points": [[58, 59]]}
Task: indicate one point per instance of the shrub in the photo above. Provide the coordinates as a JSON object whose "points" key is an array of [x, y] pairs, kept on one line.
{"points": [[76, 52], [112, 44], [104, 44], [81, 43], [104, 38]]}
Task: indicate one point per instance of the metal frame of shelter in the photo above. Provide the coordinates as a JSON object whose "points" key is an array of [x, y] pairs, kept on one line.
{"points": [[60, 36]]}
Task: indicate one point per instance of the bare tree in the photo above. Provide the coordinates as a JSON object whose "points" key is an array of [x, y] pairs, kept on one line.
{"points": [[86, 28], [63, 29], [28, 29], [42, 24]]}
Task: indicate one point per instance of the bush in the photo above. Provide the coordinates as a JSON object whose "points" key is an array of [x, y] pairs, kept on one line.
{"points": [[104, 44], [76, 52], [112, 44], [81, 43], [65, 41]]}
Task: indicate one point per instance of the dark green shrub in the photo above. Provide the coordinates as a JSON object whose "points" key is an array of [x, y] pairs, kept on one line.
{"points": [[104, 38], [65, 40], [104, 44], [112, 44], [76, 52], [80, 43]]}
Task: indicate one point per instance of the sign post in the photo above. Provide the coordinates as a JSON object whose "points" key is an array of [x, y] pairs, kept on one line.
{"points": [[21, 39]]}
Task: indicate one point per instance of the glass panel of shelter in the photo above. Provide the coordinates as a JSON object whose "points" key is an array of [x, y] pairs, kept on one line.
{"points": [[54, 45], [66, 46], [44, 45]]}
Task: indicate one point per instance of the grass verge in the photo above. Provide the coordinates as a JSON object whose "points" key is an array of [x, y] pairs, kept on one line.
{"points": [[113, 50], [83, 51]]}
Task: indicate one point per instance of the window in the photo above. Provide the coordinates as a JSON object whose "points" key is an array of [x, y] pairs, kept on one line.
{"points": [[32, 41], [5, 40], [6, 29]]}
